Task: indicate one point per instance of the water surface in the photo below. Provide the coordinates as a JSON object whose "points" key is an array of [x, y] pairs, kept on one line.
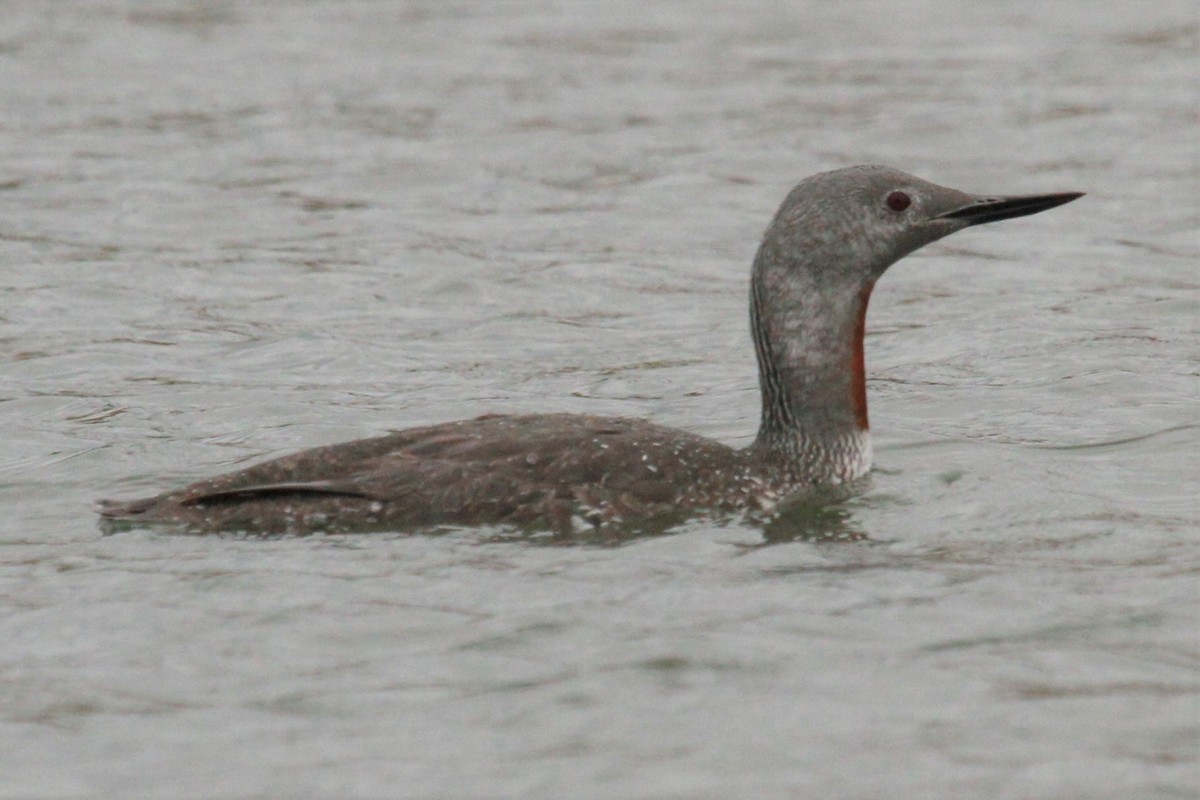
{"points": [[231, 230]]}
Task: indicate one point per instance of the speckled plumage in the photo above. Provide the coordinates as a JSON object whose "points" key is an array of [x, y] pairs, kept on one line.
{"points": [[832, 238], [557, 471]]}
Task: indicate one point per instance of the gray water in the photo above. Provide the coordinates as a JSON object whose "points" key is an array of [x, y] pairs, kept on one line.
{"points": [[231, 230]]}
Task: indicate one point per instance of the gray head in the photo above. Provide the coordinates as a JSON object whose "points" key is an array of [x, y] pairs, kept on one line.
{"points": [[834, 236], [853, 223]]}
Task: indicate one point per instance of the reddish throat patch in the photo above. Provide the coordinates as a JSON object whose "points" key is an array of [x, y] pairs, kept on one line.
{"points": [[858, 363]]}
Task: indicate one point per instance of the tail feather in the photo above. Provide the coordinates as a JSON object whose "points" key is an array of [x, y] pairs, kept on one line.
{"points": [[124, 509]]}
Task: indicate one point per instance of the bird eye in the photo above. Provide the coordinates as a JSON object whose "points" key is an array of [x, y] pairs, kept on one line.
{"points": [[898, 201]]}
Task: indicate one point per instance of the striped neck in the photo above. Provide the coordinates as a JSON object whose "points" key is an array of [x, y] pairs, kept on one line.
{"points": [[812, 373]]}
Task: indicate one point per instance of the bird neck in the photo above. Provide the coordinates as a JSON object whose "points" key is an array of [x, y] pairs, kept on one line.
{"points": [[808, 335]]}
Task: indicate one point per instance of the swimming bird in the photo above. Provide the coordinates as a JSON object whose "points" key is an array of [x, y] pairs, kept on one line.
{"points": [[836, 233]]}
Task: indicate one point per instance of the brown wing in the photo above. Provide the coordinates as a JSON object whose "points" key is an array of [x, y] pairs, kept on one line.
{"points": [[556, 471]]}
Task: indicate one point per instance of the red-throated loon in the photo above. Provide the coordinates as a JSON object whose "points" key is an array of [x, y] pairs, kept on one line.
{"points": [[834, 236]]}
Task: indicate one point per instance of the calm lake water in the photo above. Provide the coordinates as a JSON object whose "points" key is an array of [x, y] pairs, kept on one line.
{"points": [[231, 230]]}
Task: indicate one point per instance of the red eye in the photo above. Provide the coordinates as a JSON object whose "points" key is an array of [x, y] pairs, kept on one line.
{"points": [[898, 201]]}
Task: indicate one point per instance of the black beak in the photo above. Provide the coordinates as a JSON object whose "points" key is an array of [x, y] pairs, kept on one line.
{"points": [[994, 209]]}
